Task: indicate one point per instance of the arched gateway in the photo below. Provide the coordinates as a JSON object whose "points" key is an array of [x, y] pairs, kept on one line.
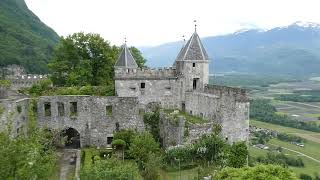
{"points": [[72, 138]]}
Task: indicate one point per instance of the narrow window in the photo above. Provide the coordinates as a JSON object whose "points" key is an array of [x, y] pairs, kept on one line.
{"points": [[73, 109], [193, 64], [19, 109], [47, 109], [143, 85], [194, 84], [60, 109], [117, 127], [109, 110], [109, 140]]}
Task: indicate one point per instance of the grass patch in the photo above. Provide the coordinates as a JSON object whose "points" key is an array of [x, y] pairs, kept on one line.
{"points": [[282, 113], [189, 118], [188, 174]]}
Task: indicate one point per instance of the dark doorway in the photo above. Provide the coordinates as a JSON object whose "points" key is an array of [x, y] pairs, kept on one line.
{"points": [[195, 80], [183, 107], [72, 138]]}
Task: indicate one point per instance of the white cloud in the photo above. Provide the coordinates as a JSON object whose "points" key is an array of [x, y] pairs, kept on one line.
{"points": [[150, 22]]}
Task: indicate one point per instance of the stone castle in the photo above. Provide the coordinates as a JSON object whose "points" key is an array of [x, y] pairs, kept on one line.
{"points": [[184, 86]]}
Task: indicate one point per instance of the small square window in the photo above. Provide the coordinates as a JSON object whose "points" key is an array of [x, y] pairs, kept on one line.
{"points": [[109, 140], [193, 64], [143, 85]]}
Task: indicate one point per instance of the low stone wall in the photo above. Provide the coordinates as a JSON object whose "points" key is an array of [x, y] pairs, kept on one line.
{"points": [[196, 131]]}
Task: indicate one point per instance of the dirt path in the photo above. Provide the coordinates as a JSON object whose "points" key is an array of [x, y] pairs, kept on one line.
{"points": [[67, 169], [300, 153]]}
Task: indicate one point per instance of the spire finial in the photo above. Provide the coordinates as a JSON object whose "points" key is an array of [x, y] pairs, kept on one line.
{"points": [[184, 39], [195, 25], [125, 40]]}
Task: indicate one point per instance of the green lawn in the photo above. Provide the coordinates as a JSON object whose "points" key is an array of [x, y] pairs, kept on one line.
{"points": [[189, 174]]}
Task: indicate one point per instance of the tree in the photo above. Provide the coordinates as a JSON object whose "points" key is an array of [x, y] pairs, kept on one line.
{"points": [[29, 157], [86, 59], [238, 155], [142, 145], [83, 59], [257, 172], [137, 55]]}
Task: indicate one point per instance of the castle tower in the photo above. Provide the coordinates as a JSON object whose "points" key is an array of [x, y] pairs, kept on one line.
{"points": [[192, 64], [125, 60]]}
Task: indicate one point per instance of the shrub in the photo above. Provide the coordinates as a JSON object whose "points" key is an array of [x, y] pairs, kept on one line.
{"points": [[257, 172]]}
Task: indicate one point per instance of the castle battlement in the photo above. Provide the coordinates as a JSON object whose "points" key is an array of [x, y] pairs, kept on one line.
{"points": [[145, 73], [240, 95]]}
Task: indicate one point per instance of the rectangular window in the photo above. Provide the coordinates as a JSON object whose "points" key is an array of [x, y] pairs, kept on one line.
{"points": [[193, 64], [194, 84], [73, 109], [109, 140], [47, 109], [143, 85], [60, 108], [109, 110]]}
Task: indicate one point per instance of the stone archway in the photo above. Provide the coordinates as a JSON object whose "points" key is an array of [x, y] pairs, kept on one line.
{"points": [[72, 138]]}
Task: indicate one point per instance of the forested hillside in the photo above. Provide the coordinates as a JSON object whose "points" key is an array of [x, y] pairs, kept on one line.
{"points": [[25, 40]]}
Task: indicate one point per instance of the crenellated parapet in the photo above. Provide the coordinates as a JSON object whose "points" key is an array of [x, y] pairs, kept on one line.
{"points": [[144, 73], [26, 80], [240, 95]]}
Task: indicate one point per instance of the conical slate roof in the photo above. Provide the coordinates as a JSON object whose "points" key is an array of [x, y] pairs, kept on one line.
{"points": [[193, 50], [126, 59]]}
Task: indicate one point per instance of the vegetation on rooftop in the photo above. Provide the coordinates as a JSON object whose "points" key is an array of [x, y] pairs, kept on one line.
{"points": [[189, 118]]}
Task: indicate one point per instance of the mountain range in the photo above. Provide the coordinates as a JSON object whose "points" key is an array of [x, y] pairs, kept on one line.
{"points": [[25, 40], [290, 50]]}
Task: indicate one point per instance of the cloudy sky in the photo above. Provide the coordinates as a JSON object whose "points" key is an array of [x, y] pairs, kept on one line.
{"points": [[152, 22]]}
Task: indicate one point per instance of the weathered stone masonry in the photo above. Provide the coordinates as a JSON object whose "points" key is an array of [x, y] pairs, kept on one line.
{"points": [[96, 118]]}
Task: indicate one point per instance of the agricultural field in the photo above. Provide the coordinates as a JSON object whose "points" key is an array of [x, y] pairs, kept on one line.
{"points": [[301, 91], [309, 154]]}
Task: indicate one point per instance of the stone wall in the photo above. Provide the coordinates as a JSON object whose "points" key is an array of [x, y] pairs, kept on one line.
{"points": [[144, 73], [26, 80], [96, 118], [227, 106], [195, 131], [14, 116], [171, 130], [166, 91]]}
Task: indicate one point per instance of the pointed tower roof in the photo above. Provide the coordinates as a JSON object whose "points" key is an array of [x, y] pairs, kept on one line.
{"points": [[193, 50], [126, 59]]}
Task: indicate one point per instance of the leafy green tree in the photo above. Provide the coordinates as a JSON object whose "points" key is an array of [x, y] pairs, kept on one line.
{"points": [[83, 59], [257, 172], [29, 157], [238, 155], [137, 55], [86, 59], [142, 145]]}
